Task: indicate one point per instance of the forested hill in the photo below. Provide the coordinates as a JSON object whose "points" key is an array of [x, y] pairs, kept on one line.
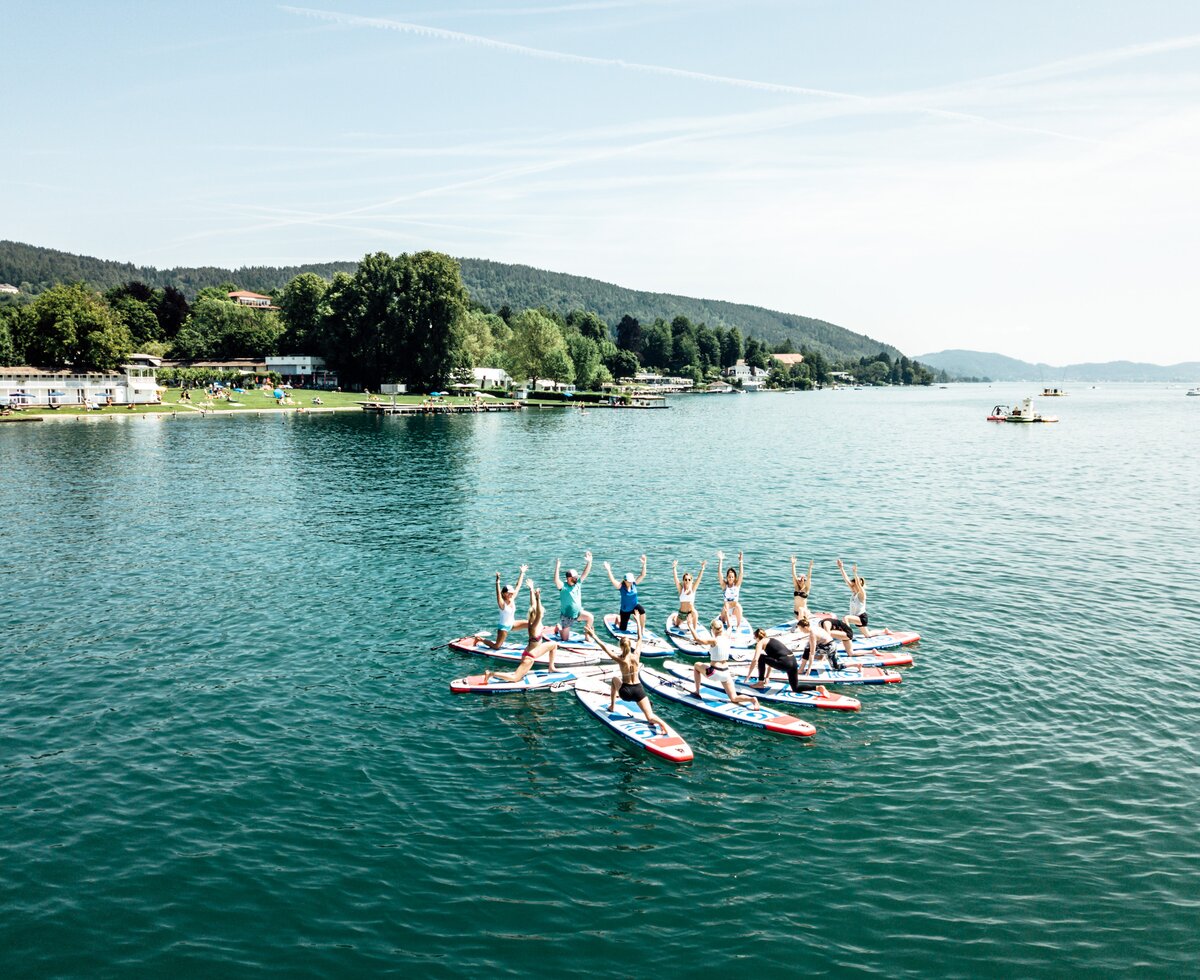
{"points": [[495, 284], [520, 286]]}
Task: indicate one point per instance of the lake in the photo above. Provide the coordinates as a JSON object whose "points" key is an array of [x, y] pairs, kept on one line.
{"points": [[229, 747]]}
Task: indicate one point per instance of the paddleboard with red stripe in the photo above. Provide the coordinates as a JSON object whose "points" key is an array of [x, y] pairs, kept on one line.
{"points": [[628, 721], [565, 656], [716, 702], [776, 691]]}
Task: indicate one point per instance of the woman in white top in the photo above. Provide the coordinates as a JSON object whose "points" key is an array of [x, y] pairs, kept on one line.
{"points": [[858, 601], [731, 578], [718, 664], [506, 599], [687, 595]]}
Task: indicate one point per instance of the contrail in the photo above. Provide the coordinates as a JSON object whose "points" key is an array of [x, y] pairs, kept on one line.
{"points": [[902, 103], [404, 27]]}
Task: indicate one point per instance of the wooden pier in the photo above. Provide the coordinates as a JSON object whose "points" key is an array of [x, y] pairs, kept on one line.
{"points": [[387, 408]]}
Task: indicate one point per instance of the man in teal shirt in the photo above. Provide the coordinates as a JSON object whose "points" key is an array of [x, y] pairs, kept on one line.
{"points": [[569, 599]]}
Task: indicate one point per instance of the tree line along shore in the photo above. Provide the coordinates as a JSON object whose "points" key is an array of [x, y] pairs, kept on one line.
{"points": [[406, 319]]}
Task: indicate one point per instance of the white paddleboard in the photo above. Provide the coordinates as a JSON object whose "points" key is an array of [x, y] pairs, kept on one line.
{"points": [[628, 721], [717, 703]]}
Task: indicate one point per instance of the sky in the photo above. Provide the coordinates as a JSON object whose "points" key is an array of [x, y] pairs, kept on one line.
{"points": [[1017, 176]]}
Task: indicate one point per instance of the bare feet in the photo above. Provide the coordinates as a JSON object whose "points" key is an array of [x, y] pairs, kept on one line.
{"points": [[823, 690]]}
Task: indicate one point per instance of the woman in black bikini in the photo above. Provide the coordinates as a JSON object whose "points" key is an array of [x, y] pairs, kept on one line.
{"points": [[801, 586]]}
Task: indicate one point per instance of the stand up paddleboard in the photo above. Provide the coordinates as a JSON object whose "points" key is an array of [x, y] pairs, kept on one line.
{"points": [[716, 702], [565, 656], [628, 721], [778, 691], [535, 680], [897, 657], [653, 645], [861, 644]]}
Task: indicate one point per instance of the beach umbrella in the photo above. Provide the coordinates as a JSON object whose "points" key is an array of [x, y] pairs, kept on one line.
{"points": [[56, 394]]}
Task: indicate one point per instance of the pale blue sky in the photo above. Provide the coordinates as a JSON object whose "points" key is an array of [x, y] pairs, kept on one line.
{"points": [[1016, 176]]}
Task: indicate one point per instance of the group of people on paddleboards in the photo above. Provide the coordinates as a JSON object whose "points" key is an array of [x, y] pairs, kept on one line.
{"points": [[824, 632]]}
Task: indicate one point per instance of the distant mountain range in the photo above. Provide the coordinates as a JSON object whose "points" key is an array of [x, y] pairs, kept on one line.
{"points": [[495, 284], [997, 367]]}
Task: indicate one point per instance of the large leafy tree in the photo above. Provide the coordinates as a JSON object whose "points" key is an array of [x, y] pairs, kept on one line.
{"points": [[8, 347], [589, 324], [537, 349], [219, 328], [658, 346], [72, 325], [396, 319], [757, 354], [629, 334], [585, 358], [483, 338], [172, 311], [731, 347], [709, 348], [302, 308]]}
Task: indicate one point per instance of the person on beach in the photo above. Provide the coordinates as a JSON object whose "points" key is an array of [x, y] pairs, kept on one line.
{"points": [[686, 587], [720, 647], [506, 599], [770, 651], [628, 684], [821, 639], [536, 646], [629, 597], [569, 598], [858, 601], [731, 579], [801, 586]]}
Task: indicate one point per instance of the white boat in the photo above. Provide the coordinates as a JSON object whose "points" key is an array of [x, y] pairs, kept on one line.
{"points": [[1194, 391]]}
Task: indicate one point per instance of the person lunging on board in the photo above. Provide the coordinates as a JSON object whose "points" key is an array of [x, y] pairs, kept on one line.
{"points": [[821, 640], [686, 587], [569, 600], [536, 646], [731, 583], [770, 651], [628, 684], [718, 664], [506, 599], [858, 600], [629, 597], [801, 587]]}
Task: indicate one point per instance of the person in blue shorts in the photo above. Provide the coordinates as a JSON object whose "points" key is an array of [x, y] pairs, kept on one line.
{"points": [[629, 597]]}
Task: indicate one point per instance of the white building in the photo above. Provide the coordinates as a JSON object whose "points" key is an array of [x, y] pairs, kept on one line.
{"points": [[492, 377], [243, 297], [303, 370], [752, 379], [133, 384], [662, 382], [8, 288]]}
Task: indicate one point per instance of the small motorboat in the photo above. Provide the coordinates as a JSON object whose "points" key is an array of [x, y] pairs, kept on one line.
{"points": [[1053, 393], [1194, 392], [1025, 413]]}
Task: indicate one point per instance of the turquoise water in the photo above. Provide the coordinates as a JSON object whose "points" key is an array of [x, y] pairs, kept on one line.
{"points": [[229, 749]]}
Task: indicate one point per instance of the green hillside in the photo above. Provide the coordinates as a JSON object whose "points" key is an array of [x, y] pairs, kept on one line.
{"points": [[494, 284]]}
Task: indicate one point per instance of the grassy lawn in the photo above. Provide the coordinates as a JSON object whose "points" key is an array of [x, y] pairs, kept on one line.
{"points": [[252, 400]]}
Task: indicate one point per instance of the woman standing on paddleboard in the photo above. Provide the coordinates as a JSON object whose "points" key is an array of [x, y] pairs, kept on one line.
{"points": [[858, 600], [731, 611], [506, 599], [720, 646], [629, 597], [536, 646], [801, 586], [687, 595], [628, 686]]}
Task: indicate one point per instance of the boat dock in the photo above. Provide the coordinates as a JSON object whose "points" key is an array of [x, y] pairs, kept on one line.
{"points": [[387, 408]]}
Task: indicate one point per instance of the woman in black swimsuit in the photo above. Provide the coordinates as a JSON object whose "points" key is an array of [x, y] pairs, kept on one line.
{"points": [[801, 586]]}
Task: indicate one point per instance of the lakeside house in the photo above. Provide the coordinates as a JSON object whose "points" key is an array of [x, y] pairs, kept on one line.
{"points": [[8, 288], [135, 383], [303, 371], [752, 378], [243, 297], [491, 377]]}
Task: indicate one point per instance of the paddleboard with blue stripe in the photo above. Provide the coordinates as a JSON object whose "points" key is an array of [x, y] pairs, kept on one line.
{"points": [[567, 655], [628, 721], [535, 680], [653, 645], [775, 691], [717, 703]]}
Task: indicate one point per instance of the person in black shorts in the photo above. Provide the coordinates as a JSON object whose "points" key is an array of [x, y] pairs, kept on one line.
{"points": [[628, 686]]}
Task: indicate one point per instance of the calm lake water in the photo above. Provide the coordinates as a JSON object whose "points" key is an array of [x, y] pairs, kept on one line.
{"points": [[228, 748]]}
